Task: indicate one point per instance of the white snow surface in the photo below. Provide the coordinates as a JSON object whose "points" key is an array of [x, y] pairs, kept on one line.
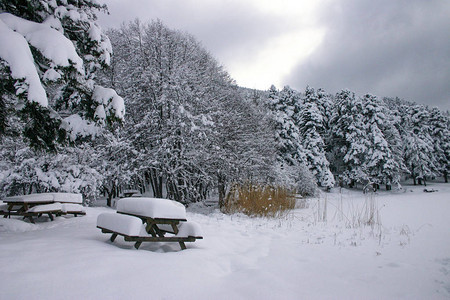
{"points": [[3, 206], [296, 257], [15, 51], [67, 197], [31, 198], [45, 207], [108, 101], [49, 41], [16, 36], [68, 207], [152, 207], [54, 197], [124, 224], [77, 126], [189, 228]]}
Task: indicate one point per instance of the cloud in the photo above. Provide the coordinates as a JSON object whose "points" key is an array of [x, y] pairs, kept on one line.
{"points": [[388, 48], [226, 28], [258, 41]]}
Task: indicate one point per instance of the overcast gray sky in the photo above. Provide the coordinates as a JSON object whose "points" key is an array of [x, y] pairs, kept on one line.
{"points": [[384, 47]]}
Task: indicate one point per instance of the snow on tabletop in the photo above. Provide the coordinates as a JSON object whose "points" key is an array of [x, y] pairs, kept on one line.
{"points": [[68, 197], [123, 224], [68, 207], [190, 228], [47, 197], [43, 197], [152, 207], [45, 207]]}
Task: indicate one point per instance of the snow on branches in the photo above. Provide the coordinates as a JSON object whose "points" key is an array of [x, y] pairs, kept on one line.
{"points": [[50, 52]]}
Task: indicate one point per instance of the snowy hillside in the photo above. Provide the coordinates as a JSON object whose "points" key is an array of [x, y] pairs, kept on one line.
{"points": [[405, 255]]}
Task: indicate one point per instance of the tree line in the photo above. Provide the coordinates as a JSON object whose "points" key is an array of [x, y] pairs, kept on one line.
{"points": [[190, 131]]}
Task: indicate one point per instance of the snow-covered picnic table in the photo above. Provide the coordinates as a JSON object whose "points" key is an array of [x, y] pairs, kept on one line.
{"points": [[149, 220], [29, 206]]}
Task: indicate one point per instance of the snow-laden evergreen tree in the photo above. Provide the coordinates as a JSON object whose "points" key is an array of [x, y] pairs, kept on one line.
{"points": [[381, 164], [49, 54], [349, 142], [311, 125], [284, 106], [391, 130], [440, 133], [325, 106], [418, 144]]}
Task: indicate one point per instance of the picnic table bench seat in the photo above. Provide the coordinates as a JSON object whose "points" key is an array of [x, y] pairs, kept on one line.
{"points": [[73, 209], [39, 210]]}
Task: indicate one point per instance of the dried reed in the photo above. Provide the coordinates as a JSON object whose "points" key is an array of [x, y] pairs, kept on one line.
{"points": [[257, 200]]}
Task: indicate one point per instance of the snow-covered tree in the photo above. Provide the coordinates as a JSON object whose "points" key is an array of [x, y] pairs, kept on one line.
{"points": [[26, 171], [49, 54], [418, 144], [440, 133], [381, 163], [349, 143], [284, 106], [311, 126], [178, 99]]}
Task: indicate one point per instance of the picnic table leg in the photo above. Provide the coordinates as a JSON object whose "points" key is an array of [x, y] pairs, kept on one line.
{"points": [[175, 228], [149, 229], [50, 215], [137, 245], [182, 245], [113, 237]]}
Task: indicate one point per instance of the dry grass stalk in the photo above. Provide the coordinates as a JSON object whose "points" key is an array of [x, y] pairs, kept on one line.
{"points": [[258, 200]]}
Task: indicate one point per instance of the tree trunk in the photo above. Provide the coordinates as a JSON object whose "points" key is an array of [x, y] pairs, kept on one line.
{"points": [[109, 194], [413, 175], [221, 190], [156, 181]]}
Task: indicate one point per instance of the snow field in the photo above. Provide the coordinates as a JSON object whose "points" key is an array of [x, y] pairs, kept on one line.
{"points": [[297, 257]]}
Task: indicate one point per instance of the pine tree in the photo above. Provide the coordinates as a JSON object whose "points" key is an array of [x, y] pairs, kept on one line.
{"points": [[418, 144], [284, 109], [349, 143], [311, 125], [381, 163], [49, 54], [440, 133]]}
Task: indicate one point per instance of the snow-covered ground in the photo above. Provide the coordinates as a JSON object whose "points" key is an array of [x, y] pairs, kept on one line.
{"points": [[407, 256]]}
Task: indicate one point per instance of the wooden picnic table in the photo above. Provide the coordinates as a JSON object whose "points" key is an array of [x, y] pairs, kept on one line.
{"points": [[32, 205], [22, 208], [171, 216]]}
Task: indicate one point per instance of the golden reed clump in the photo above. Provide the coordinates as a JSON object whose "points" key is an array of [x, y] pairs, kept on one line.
{"points": [[258, 200]]}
